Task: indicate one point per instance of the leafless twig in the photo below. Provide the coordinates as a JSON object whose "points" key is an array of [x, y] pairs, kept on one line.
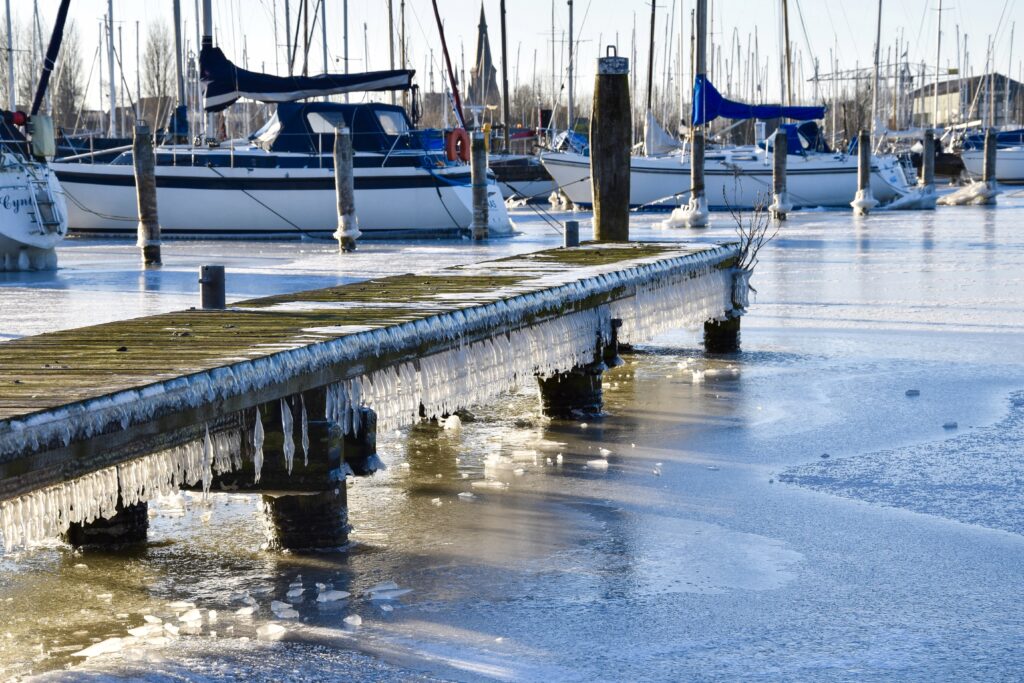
{"points": [[755, 232]]}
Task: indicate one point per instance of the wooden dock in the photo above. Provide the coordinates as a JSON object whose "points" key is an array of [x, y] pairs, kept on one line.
{"points": [[90, 402]]}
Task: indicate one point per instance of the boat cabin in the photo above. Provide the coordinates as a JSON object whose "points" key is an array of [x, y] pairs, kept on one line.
{"points": [[308, 128]]}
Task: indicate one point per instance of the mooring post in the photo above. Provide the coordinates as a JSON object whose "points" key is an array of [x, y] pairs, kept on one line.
{"points": [[611, 127], [927, 179], [345, 189], [478, 175], [864, 201], [780, 198], [988, 169], [571, 235], [359, 447], [129, 524], [211, 288], [144, 163], [575, 392]]}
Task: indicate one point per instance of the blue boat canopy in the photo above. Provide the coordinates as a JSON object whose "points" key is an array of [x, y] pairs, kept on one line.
{"points": [[223, 82], [708, 105]]}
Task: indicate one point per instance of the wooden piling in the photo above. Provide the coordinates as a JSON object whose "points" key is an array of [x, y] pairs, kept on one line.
{"points": [[780, 198], [344, 187], [927, 179], [988, 169], [611, 127], [478, 174], [144, 162], [864, 201]]}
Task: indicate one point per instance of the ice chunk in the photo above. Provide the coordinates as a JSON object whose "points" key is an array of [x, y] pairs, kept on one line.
{"points": [[270, 631], [697, 377], [604, 452], [172, 629], [295, 592], [288, 613], [150, 619], [277, 605], [353, 620], [211, 616], [147, 630], [488, 484], [598, 464], [386, 608], [436, 501], [190, 616], [393, 594], [181, 605], [245, 611], [453, 422], [103, 647], [332, 595], [305, 431], [467, 495]]}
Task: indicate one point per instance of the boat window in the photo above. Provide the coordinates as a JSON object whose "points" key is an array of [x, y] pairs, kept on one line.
{"points": [[325, 121], [393, 122]]}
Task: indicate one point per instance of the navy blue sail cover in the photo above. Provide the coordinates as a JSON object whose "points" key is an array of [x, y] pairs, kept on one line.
{"points": [[708, 105], [223, 82]]}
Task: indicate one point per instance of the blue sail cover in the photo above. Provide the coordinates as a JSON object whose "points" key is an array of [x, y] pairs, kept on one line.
{"points": [[223, 82], [708, 105]]}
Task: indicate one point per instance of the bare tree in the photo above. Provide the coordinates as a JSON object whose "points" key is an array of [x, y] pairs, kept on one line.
{"points": [[158, 62], [67, 87]]}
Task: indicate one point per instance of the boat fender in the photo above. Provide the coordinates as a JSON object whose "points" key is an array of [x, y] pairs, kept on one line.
{"points": [[456, 145]]}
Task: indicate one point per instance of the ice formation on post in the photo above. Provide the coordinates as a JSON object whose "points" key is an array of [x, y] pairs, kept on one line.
{"points": [[288, 438], [48, 512], [257, 445], [305, 431], [207, 464]]}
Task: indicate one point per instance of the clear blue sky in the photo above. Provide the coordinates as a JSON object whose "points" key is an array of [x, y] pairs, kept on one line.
{"points": [[830, 24]]}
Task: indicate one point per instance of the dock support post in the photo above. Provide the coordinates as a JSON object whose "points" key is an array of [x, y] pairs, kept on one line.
{"points": [[927, 179], [211, 288], [359, 448], [478, 175], [988, 169], [128, 525], [144, 162], [344, 187], [571, 394], [722, 336], [307, 521], [611, 128], [571, 235], [864, 201], [780, 197]]}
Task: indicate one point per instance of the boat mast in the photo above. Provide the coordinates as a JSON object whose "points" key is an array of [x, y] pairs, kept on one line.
{"points": [[874, 85], [11, 99], [112, 84], [504, 79], [650, 59], [211, 117], [938, 55], [391, 41], [177, 56], [344, 30], [569, 113], [1009, 72], [789, 53], [323, 32], [50, 58], [403, 57], [288, 34], [448, 64]]}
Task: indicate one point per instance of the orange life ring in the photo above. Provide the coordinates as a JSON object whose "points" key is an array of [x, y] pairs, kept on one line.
{"points": [[456, 145]]}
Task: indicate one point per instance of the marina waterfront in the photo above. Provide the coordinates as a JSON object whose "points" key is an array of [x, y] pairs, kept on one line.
{"points": [[793, 512]]}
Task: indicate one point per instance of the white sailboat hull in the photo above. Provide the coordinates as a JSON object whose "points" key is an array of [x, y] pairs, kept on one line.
{"points": [[1009, 164], [29, 231], [736, 180], [269, 202]]}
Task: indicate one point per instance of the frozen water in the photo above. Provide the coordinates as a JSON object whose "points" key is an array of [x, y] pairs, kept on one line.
{"points": [[287, 429], [108, 646], [353, 620], [331, 595]]}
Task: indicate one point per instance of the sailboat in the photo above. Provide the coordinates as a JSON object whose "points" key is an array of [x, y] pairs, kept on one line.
{"points": [[33, 218], [741, 177], [279, 182]]}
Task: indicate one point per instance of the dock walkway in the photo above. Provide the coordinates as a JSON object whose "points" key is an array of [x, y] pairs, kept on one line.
{"points": [[81, 410]]}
